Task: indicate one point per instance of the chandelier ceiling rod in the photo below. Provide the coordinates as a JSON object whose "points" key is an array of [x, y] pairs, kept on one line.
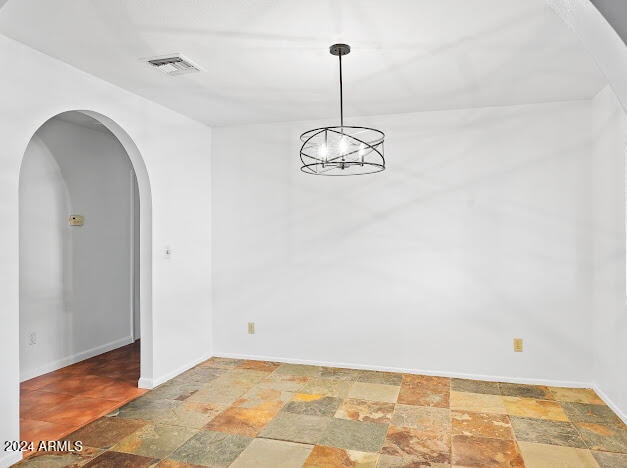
{"points": [[339, 50], [341, 93]]}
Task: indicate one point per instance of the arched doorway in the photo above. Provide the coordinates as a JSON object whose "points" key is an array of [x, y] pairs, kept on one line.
{"points": [[85, 285]]}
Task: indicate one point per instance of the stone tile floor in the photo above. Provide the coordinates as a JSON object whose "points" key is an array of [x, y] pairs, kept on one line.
{"points": [[56, 404], [227, 412]]}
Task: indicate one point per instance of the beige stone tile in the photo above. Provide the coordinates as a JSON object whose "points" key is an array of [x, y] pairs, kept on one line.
{"points": [[219, 394], [554, 456], [425, 418], [530, 408], [374, 392], [577, 395], [477, 402], [221, 363], [260, 394], [284, 382], [389, 378], [327, 387], [267, 453], [244, 377], [298, 369], [267, 366], [339, 373], [191, 414]]}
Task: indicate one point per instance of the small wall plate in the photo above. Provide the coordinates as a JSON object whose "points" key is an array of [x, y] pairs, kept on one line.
{"points": [[76, 220]]}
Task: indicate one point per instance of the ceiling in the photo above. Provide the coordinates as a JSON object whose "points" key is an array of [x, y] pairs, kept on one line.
{"points": [[268, 60]]}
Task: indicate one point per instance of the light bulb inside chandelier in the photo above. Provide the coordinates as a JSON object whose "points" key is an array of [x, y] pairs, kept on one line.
{"points": [[323, 151], [343, 146], [343, 149]]}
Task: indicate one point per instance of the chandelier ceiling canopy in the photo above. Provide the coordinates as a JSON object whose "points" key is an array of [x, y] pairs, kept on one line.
{"points": [[344, 149]]}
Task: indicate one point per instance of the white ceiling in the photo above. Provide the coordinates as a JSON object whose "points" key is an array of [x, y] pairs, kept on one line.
{"points": [[268, 60]]}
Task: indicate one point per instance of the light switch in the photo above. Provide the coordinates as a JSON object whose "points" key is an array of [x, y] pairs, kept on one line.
{"points": [[76, 220]]}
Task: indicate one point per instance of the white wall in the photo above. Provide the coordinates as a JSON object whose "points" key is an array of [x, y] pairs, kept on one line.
{"points": [[136, 263], [176, 154], [95, 315], [45, 259], [610, 312], [478, 232]]}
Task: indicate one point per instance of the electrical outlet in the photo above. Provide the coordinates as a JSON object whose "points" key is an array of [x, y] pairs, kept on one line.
{"points": [[76, 220], [33, 339], [251, 328], [518, 345]]}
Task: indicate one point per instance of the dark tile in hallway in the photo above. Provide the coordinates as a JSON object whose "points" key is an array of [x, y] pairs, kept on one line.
{"points": [[55, 404]]}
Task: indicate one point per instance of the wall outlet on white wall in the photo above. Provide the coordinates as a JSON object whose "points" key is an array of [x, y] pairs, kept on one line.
{"points": [[32, 339], [251, 328]]}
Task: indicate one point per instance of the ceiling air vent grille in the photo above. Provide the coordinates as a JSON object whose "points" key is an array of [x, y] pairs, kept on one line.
{"points": [[173, 64]]}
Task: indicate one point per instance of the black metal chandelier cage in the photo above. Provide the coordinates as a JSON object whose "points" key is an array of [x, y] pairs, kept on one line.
{"points": [[345, 149]]}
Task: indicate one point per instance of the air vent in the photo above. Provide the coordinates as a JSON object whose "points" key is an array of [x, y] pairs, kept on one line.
{"points": [[174, 64]]}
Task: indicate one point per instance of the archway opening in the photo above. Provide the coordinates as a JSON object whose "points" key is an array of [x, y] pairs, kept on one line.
{"points": [[81, 274]]}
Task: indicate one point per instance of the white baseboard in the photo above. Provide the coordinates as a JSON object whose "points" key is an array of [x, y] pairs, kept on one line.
{"points": [[614, 407], [491, 378], [151, 383], [146, 383], [10, 458], [74, 358]]}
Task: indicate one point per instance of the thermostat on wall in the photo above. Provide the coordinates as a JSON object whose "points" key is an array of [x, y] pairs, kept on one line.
{"points": [[76, 220]]}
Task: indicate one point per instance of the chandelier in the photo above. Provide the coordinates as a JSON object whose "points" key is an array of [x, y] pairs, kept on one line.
{"points": [[344, 149]]}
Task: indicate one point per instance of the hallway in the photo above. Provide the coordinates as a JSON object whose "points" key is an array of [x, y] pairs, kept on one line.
{"points": [[56, 404]]}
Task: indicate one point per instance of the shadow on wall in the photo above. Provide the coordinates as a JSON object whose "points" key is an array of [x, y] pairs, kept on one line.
{"points": [[478, 231]]}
